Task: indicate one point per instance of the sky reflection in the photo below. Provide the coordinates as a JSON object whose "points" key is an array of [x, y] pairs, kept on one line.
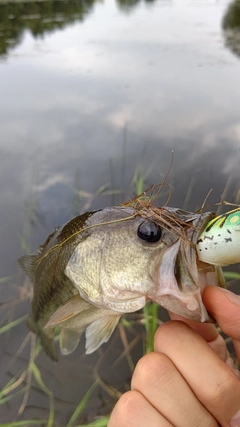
{"points": [[164, 71], [94, 92]]}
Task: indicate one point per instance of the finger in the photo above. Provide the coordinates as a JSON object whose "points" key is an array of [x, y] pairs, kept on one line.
{"points": [[158, 379], [207, 330], [134, 410], [211, 335], [225, 307], [208, 376]]}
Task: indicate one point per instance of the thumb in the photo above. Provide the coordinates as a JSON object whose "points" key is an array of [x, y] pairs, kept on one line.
{"points": [[224, 306]]}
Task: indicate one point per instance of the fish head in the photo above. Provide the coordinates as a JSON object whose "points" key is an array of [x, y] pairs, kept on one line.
{"points": [[125, 259]]}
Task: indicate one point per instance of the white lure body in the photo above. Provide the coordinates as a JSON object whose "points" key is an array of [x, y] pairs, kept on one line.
{"points": [[219, 242]]}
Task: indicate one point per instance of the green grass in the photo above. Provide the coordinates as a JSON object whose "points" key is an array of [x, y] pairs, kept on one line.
{"points": [[6, 279], [25, 423], [101, 422], [150, 312], [231, 275], [81, 406], [11, 325]]}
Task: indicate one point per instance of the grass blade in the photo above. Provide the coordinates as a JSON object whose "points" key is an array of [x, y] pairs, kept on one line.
{"points": [[150, 312], [231, 275], [11, 325], [101, 422], [38, 378], [24, 423], [81, 405], [6, 279]]}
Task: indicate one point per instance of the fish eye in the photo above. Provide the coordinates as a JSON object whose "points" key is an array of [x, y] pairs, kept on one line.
{"points": [[149, 231]]}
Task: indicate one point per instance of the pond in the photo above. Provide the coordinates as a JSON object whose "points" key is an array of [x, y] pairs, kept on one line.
{"points": [[94, 98]]}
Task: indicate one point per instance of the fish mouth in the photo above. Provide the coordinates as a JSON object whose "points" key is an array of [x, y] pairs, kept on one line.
{"points": [[182, 277]]}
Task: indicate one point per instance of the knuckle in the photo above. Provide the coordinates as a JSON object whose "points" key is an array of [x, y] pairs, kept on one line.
{"points": [[220, 391], [126, 409], [150, 368], [167, 333]]}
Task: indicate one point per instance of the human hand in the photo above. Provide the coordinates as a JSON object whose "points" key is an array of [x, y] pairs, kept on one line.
{"points": [[189, 380], [225, 308]]}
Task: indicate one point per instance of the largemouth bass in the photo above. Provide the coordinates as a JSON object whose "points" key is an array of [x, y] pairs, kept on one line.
{"points": [[102, 264]]}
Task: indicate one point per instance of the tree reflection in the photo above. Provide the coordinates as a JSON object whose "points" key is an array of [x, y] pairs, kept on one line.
{"points": [[41, 17], [38, 17], [127, 5], [231, 27]]}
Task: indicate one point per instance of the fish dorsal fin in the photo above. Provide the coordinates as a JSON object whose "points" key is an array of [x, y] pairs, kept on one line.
{"points": [[69, 340], [72, 307], [28, 264], [100, 331]]}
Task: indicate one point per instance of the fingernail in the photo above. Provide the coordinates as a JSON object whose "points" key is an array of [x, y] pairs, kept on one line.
{"points": [[235, 422], [235, 299]]}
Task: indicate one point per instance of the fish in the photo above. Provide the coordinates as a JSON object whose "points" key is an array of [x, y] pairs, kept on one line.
{"points": [[108, 262]]}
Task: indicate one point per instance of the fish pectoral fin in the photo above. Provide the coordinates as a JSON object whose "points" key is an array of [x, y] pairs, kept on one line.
{"points": [[100, 331], [71, 308], [69, 340]]}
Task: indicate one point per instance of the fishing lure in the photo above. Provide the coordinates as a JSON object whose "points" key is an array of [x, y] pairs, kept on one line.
{"points": [[219, 242]]}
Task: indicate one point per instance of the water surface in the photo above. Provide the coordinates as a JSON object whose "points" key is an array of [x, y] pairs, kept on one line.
{"points": [[90, 92]]}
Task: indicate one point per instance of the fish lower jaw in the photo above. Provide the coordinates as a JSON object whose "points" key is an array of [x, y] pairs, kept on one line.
{"points": [[190, 306]]}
